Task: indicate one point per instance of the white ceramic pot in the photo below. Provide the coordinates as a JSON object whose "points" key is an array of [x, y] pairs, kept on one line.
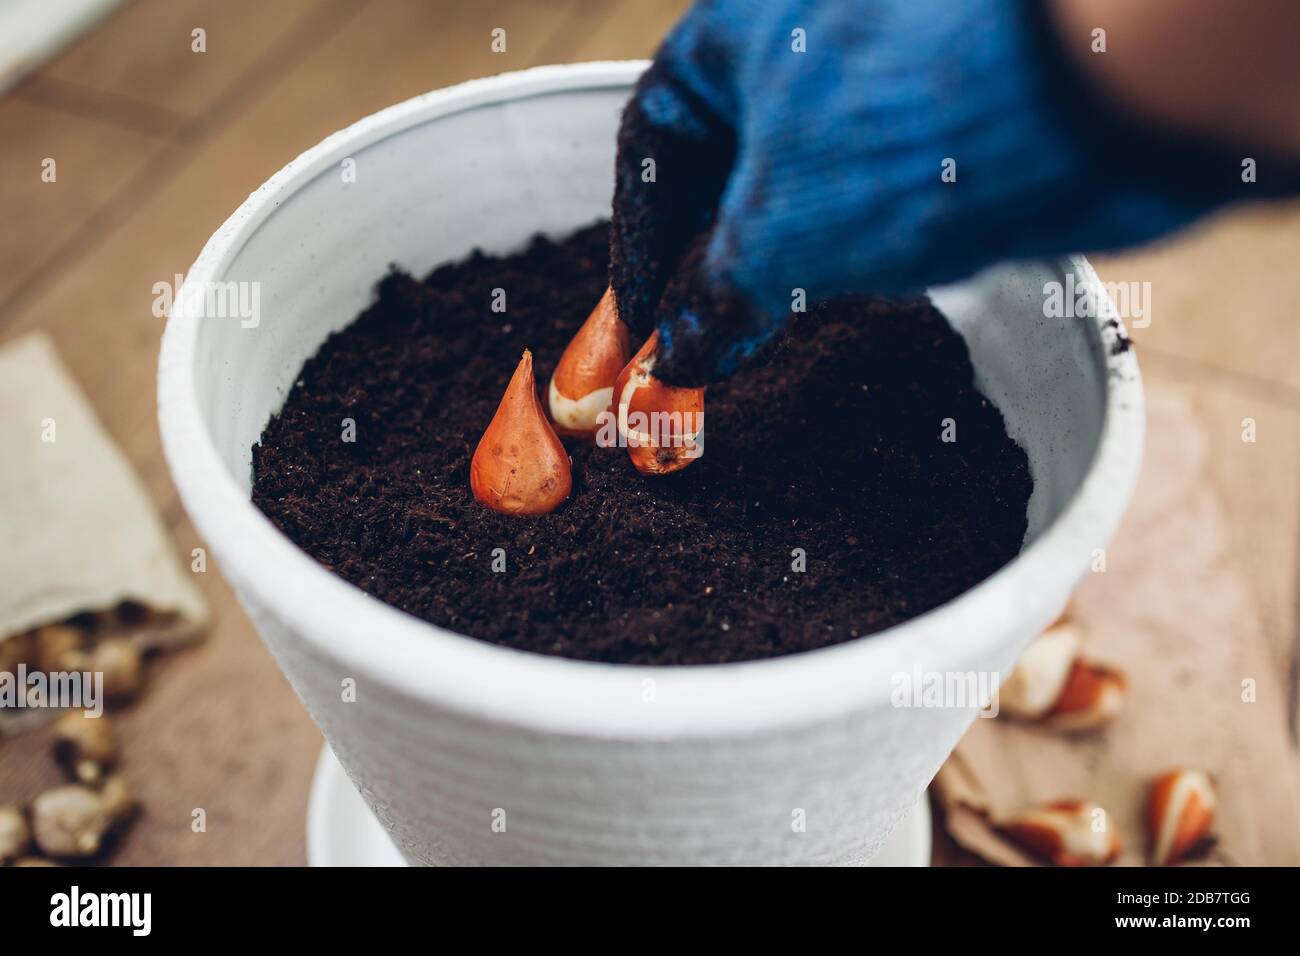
{"points": [[583, 762]]}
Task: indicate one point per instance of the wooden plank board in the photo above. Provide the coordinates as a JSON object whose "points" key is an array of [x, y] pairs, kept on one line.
{"points": [[92, 161], [634, 31], [145, 51]]}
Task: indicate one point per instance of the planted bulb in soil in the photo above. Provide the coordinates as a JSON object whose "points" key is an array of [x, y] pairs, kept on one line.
{"points": [[582, 386], [519, 466]]}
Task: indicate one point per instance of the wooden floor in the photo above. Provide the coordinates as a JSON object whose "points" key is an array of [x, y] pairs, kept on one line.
{"points": [[156, 145]]}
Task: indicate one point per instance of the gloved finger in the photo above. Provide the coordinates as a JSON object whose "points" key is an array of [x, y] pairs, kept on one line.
{"points": [[674, 156], [707, 328]]}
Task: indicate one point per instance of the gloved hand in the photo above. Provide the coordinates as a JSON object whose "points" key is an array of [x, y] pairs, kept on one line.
{"points": [[823, 170]]}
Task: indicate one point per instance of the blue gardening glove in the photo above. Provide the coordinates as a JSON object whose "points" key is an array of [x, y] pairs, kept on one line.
{"points": [[802, 144]]}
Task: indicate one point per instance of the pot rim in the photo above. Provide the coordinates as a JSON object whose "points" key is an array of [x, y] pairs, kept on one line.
{"points": [[340, 622]]}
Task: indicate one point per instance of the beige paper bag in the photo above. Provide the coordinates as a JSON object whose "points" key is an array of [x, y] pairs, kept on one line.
{"points": [[79, 532], [1173, 610]]}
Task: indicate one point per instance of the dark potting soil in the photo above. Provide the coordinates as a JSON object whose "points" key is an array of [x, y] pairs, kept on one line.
{"points": [[826, 455]]}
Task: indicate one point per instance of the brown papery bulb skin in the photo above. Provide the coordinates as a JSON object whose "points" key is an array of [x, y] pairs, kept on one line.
{"points": [[583, 384], [662, 425], [1180, 811], [1092, 696], [519, 466], [1063, 833]]}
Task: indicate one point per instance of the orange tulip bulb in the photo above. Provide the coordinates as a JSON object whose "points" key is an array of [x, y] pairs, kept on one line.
{"points": [[519, 466]]}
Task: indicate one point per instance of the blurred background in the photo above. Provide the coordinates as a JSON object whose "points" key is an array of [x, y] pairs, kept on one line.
{"points": [[157, 144]]}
